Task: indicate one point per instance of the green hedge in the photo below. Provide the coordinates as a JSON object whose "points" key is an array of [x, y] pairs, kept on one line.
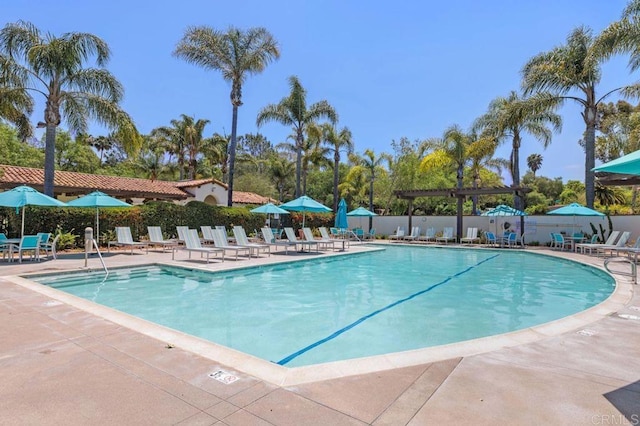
{"points": [[164, 214]]}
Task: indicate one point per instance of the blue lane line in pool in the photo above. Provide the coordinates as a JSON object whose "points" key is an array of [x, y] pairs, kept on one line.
{"points": [[294, 355]]}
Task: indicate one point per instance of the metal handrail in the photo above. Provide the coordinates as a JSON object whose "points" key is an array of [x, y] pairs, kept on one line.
{"points": [[634, 268]]}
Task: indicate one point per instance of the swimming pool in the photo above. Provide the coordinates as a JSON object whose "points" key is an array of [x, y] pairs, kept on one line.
{"points": [[351, 306]]}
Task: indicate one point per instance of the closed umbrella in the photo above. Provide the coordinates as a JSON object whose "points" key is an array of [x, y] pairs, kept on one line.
{"points": [[341, 215], [305, 204], [361, 212], [22, 196], [97, 199]]}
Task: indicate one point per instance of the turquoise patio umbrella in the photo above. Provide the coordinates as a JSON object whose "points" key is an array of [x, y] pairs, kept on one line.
{"points": [[503, 210], [361, 212], [575, 209], [97, 199], [341, 215], [269, 209], [627, 165], [305, 204], [23, 196]]}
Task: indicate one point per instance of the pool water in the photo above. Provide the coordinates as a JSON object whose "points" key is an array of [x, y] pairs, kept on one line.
{"points": [[322, 310]]}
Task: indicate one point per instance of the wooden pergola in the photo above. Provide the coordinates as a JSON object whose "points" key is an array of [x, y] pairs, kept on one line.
{"points": [[460, 194]]}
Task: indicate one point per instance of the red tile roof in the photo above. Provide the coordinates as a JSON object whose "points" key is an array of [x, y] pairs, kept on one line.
{"points": [[77, 183], [198, 182], [73, 183], [241, 197]]}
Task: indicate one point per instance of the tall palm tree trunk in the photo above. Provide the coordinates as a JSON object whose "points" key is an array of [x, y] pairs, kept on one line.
{"points": [[459, 205], [49, 159], [336, 164], [590, 113], [232, 155], [517, 199], [371, 200], [298, 163]]}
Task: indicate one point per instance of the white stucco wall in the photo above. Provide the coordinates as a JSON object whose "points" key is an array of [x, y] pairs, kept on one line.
{"points": [[537, 228], [200, 193]]}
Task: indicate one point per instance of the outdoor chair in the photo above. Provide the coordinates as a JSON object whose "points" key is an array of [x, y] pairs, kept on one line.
{"points": [[323, 242], [156, 238], [207, 234], [124, 238], [415, 233], [182, 233], [192, 244], [291, 236], [472, 236], [613, 247], [29, 244], [220, 241], [45, 242], [241, 239], [398, 235], [429, 235], [594, 246], [447, 235], [268, 237], [490, 239]]}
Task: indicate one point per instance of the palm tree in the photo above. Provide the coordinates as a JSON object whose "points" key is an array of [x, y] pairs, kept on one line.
{"points": [[292, 111], [371, 167], [15, 107], [574, 66], [172, 139], [481, 153], [534, 161], [451, 149], [235, 54], [508, 118], [55, 68], [337, 141], [194, 142], [281, 171]]}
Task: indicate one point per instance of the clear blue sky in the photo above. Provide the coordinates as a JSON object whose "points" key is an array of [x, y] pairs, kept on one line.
{"points": [[390, 69]]}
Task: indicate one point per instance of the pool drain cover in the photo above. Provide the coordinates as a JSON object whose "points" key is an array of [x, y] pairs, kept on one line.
{"points": [[223, 376]]}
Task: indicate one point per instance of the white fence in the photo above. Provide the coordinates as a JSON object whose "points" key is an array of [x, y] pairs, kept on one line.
{"points": [[537, 228]]}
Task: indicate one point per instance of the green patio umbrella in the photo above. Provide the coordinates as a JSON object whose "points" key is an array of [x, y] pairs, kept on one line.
{"points": [[23, 196], [305, 204], [95, 200], [503, 210]]}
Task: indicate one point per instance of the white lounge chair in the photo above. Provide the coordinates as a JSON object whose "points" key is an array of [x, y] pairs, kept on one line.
{"points": [[220, 241], [123, 234], [156, 238], [593, 246], [447, 235], [415, 233], [291, 236], [323, 242], [242, 240], [192, 244], [269, 238], [398, 235], [207, 234], [429, 235], [622, 241], [182, 233], [472, 236], [327, 237]]}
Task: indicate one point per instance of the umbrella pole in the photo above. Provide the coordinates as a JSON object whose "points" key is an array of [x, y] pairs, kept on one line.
{"points": [[22, 228], [97, 234]]}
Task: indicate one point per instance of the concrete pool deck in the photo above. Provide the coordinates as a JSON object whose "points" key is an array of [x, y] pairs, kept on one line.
{"points": [[63, 364]]}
